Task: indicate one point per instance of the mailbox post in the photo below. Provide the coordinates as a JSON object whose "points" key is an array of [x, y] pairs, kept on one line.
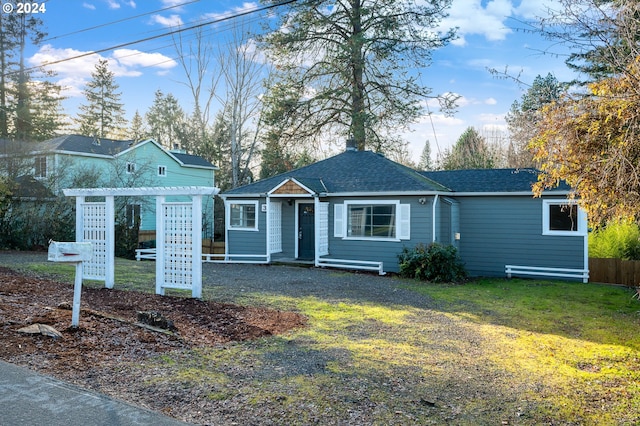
{"points": [[72, 252]]}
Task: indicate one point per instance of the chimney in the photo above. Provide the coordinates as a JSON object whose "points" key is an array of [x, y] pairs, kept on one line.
{"points": [[351, 145]]}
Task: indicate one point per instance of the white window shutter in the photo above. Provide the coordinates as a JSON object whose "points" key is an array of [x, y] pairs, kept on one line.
{"points": [[404, 221], [323, 233], [338, 220]]}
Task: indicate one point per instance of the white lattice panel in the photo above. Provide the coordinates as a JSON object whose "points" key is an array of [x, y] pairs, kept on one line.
{"points": [[275, 227], [178, 245], [94, 225]]}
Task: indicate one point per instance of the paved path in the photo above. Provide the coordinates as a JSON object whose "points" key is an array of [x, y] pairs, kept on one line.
{"points": [[28, 398]]}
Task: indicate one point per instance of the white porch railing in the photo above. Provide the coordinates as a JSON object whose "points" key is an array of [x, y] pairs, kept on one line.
{"points": [[351, 264], [582, 274]]}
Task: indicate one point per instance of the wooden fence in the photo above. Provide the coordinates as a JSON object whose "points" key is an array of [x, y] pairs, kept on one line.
{"points": [[614, 271]]}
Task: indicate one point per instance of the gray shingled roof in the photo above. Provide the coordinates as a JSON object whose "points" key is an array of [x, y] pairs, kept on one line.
{"points": [[99, 146], [86, 145], [192, 160], [368, 172], [349, 172], [488, 180]]}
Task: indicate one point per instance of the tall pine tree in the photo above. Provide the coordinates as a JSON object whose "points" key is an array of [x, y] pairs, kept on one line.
{"points": [[348, 62], [103, 115]]}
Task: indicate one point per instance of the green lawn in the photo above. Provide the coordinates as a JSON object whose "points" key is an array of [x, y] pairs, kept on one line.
{"points": [[491, 351]]}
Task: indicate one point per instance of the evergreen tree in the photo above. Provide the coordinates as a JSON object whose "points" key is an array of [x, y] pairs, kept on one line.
{"points": [[524, 115], [166, 121], [137, 129], [471, 151], [16, 30], [103, 115], [347, 62], [47, 119], [425, 162]]}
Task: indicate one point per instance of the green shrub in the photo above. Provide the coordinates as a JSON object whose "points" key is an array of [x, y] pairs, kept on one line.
{"points": [[435, 262], [619, 239]]}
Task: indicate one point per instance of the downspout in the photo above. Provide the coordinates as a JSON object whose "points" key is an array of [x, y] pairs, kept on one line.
{"points": [[267, 227], [316, 227], [433, 218]]}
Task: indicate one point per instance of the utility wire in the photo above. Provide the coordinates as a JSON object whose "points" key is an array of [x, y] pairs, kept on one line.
{"points": [[177, 31], [118, 21]]}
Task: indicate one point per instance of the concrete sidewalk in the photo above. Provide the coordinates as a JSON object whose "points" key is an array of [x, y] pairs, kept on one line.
{"points": [[28, 398]]}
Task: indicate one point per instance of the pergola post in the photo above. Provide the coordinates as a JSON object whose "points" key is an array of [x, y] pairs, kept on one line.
{"points": [[110, 243], [160, 245]]}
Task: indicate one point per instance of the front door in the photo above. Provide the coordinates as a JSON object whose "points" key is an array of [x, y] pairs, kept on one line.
{"points": [[306, 231]]}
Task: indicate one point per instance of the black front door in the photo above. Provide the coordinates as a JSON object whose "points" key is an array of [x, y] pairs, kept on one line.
{"points": [[306, 231]]}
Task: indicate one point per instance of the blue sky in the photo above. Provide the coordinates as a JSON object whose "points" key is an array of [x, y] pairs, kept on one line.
{"points": [[487, 39]]}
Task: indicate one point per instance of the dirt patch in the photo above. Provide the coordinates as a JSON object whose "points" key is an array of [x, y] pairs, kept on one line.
{"points": [[110, 331]]}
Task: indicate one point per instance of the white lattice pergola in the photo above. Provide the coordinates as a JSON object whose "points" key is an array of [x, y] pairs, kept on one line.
{"points": [[178, 233]]}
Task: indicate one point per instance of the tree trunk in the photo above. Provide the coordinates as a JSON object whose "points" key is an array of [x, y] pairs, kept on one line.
{"points": [[358, 114]]}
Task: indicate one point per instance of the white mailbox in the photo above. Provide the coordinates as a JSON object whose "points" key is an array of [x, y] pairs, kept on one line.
{"points": [[69, 251]]}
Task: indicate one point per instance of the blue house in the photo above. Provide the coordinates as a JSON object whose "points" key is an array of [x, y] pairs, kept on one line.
{"points": [[358, 210], [73, 161]]}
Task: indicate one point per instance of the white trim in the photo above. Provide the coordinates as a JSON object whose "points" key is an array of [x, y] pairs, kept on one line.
{"points": [[147, 191], [339, 227], [351, 264], [433, 218], [540, 271], [255, 203], [581, 218], [345, 219]]}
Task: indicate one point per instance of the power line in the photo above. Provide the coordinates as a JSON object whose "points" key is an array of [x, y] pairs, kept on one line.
{"points": [[118, 21], [173, 32]]}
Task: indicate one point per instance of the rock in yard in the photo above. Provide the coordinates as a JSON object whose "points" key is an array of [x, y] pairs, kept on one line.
{"points": [[155, 319], [43, 329]]}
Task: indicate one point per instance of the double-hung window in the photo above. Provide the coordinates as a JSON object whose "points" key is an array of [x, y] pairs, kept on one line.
{"points": [[243, 215], [376, 220], [371, 220], [563, 217], [40, 167]]}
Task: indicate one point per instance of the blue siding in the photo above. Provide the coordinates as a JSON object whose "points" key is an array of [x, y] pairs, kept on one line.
{"points": [[497, 231], [382, 251], [249, 242]]}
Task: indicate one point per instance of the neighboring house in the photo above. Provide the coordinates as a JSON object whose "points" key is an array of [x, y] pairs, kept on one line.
{"points": [[74, 160], [359, 210]]}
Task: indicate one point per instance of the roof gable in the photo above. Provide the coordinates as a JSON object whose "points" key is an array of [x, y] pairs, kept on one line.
{"points": [[348, 172]]}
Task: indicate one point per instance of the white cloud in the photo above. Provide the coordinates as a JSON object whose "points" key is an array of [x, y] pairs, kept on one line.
{"points": [[89, 6], [167, 21], [245, 7], [134, 58], [113, 4], [490, 101], [170, 3], [472, 18], [74, 73]]}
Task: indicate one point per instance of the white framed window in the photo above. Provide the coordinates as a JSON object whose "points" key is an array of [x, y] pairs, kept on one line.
{"points": [[162, 171], [40, 167], [372, 220], [563, 217], [133, 215], [131, 168], [243, 215]]}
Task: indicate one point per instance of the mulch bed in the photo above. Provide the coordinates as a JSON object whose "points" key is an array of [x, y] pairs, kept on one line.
{"points": [[110, 329]]}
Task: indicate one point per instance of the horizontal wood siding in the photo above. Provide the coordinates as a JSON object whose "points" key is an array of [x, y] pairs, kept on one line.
{"points": [[496, 231], [250, 242], [383, 251]]}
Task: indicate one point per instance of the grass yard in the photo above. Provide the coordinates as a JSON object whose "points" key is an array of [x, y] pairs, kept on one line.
{"points": [[582, 341], [491, 351]]}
